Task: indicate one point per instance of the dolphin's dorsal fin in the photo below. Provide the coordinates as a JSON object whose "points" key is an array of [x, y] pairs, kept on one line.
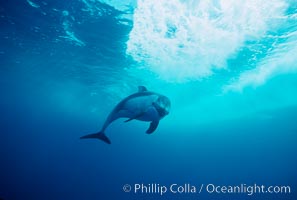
{"points": [[141, 89]]}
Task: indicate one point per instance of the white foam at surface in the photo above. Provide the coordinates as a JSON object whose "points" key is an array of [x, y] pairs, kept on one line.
{"points": [[282, 60], [184, 40]]}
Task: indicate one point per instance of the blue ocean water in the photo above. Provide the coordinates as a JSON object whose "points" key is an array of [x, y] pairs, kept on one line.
{"points": [[228, 66]]}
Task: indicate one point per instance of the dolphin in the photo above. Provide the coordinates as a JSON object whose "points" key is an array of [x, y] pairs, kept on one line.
{"points": [[143, 105]]}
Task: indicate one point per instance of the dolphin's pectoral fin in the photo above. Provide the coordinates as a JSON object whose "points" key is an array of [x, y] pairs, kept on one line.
{"points": [[153, 127], [141, 89], [135, 117]]}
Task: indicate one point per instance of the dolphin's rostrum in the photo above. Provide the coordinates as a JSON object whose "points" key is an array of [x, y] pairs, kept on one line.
{"points": [[143, 105]]}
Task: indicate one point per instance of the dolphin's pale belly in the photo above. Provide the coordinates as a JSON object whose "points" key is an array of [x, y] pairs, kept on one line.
{"points": [[150, 115], [140, 108]]}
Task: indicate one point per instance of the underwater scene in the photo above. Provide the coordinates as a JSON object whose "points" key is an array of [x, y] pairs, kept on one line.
{"points": [[148, 99]]}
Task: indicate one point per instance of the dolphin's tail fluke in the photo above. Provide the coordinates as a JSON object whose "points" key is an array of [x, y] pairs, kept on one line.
{"points": [[100, 136]]}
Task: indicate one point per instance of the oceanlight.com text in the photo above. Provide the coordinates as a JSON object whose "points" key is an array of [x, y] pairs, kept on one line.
{"points": [[188, 188]]}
